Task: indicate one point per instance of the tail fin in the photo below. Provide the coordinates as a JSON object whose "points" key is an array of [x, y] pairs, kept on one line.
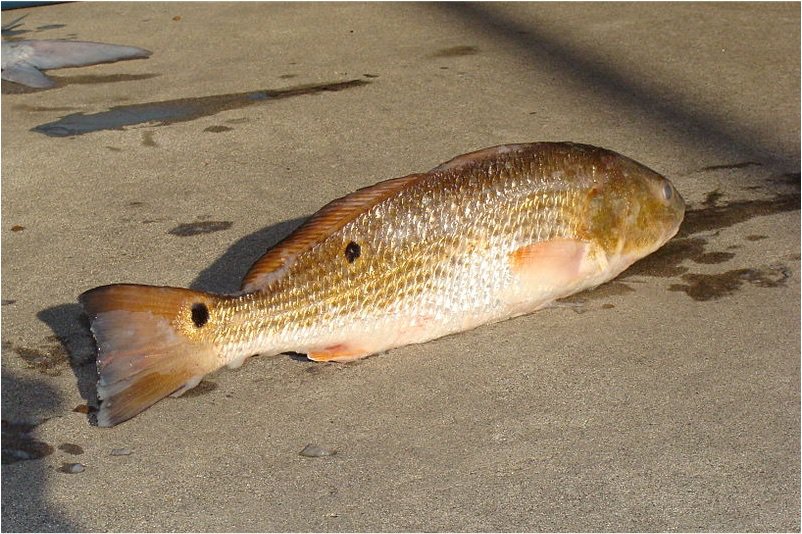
{"points": [[151, 343]]}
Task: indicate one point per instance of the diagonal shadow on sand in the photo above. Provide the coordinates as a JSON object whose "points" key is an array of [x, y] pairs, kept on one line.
{"points": [[548, 50], [179, 110]]}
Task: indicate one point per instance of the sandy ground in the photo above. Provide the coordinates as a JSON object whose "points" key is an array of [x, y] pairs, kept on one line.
{"points": [[670, 403]]}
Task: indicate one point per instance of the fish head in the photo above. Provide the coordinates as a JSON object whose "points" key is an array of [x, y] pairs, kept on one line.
{"points": [[633, 211]]}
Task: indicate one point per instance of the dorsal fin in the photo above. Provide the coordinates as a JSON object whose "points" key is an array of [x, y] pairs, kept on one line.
{"points": [[326, 221], [479, 155]]}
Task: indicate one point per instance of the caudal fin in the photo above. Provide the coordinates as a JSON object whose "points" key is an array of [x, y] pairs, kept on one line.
{"points": [[152, 342]]}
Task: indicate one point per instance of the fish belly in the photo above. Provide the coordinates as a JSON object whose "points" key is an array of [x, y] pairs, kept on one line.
{"points": [[483, 290]]}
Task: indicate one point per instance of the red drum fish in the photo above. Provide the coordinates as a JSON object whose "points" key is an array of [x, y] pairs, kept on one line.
{"points": [[489, 235]]}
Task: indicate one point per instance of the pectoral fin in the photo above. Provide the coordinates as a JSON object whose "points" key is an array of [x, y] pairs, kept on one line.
{"points": [[551, 264], [26, 74]]}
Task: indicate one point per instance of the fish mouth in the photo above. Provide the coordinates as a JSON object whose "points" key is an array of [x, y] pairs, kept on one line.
{"points": [[680, 216], [676, 215], [669, 234], [673, 226]]}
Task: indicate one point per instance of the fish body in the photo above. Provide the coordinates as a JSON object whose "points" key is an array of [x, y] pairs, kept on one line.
{"points": [[484, 237], [23, 61]]}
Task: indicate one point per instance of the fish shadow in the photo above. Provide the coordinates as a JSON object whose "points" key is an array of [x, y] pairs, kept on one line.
{"points": [[26, 503], [225, 274], [70, 324]]}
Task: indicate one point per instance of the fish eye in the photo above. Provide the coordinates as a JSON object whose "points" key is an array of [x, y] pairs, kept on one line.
{"points": [[668, 191]]}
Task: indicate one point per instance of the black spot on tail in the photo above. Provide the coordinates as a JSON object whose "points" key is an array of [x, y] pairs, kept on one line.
{"points": [[200, 314]]}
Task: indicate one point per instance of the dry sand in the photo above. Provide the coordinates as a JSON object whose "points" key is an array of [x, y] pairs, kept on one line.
{"points": [[670, 403]]}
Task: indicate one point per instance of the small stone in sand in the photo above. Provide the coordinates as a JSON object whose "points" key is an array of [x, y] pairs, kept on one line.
{"points": [[72, 468], [315, 451]]}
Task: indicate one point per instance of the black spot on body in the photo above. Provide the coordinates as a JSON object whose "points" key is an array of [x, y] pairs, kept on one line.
{"points": [[352, 252], [200, 314]]}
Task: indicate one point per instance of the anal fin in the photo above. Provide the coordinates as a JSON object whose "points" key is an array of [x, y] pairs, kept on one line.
{"points": [[341, 352], [191, 383]]}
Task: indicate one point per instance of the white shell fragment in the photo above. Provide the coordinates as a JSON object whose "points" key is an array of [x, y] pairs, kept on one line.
{"points": [[314, 451]]}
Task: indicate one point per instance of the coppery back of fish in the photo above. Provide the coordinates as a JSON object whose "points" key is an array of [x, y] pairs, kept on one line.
{"points": [[486, 236]]}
